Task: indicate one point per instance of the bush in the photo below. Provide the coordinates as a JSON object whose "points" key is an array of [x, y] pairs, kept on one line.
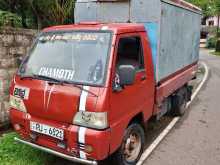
{"points": [[10, 19], [211, 42]]}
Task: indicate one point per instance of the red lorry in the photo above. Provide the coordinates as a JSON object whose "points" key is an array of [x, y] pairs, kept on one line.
{"points": [[86, 91]]}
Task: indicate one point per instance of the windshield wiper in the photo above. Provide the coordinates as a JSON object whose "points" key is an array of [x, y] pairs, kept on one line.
{"points": [[27, 77], [71, 83], [56, 81], [35, 76], [50, 79]]}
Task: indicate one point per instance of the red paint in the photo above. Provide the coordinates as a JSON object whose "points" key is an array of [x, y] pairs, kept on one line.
{"points": [[121, 107]]}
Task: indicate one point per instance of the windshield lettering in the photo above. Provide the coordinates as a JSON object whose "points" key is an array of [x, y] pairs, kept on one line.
{"points": [[69, 37], [63, 74]]}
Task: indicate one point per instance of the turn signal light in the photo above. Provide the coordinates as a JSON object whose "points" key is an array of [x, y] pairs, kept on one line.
{"points": [[88, 149]]}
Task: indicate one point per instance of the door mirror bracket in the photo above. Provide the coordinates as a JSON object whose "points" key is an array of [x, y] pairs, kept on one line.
{"points": [[117, 88]]}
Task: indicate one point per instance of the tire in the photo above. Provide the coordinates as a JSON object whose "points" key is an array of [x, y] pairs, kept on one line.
{"points": [[134, 132], [179, 102]]}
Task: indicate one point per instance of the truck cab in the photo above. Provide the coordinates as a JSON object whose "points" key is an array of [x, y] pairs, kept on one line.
{"points": [[84, 92]]}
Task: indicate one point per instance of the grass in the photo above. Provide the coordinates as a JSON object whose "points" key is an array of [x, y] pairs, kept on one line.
{"points": [[216, 53], [19, 154]]}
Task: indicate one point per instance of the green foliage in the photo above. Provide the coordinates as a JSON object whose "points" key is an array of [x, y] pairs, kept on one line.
{"points": [[217, 4], [216, 53], [61, 11], [19, 154], [10, 19], [211, 42], [208, 6], [40, 13]]}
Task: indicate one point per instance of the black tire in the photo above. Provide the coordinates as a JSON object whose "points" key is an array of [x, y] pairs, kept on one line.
{"points": [[119, 157], [179, 102]]}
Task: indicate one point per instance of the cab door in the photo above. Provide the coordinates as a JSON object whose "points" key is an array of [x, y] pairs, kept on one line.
{"points": [[127, 101]]}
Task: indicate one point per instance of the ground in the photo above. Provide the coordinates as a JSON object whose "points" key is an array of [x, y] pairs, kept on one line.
{"points": [[195, 140]]}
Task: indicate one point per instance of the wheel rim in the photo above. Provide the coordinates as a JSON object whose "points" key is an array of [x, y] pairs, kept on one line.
{"points": [[132, 147]]}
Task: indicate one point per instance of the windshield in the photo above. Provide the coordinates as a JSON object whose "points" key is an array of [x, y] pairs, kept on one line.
{"points": [[79, 57]]}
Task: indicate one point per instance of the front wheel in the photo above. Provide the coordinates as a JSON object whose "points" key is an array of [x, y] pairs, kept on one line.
{"points": [[132, 146]]}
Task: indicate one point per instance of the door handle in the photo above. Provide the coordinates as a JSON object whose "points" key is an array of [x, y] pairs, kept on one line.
{"points": [[143, 78]]}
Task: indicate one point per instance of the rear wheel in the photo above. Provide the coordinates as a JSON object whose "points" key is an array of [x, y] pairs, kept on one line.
{"points": [[132, 146], [179, 102]]}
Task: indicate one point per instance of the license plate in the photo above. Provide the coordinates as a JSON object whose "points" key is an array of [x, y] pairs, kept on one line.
{"points": [[47, 130]]}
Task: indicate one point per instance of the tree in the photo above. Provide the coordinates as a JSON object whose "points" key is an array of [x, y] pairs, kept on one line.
{"points": [[207, 6], [9, 19], [40, 13], [60, 11], [22, 9], [217, 12]]}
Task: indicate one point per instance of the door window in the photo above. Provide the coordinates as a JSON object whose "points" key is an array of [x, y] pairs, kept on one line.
{"points": [[130, 52]]}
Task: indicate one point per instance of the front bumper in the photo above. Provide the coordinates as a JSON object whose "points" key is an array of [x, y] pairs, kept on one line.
{"points": [[98, 140], [71, 158]]}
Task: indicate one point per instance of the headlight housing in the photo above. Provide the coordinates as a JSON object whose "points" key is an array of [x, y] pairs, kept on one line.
{"points": [[97, 120], [17, 103]]}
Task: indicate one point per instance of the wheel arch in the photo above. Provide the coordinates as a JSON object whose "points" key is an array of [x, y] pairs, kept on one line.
{"points": [[138, 118], [120, 129]]}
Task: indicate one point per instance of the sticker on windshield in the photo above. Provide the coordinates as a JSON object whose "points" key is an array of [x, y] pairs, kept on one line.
{"points": [[66, 37], [63, 74], [21, 92]]}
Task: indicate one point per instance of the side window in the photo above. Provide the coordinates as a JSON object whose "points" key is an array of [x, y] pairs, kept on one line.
{"points": [[130, 52]]}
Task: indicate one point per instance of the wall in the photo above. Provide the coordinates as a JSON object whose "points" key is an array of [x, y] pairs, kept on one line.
{"points": [[212, 21], [14, 43]]}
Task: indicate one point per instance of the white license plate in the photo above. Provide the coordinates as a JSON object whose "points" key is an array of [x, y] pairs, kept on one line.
{"points": [[47, 130]]}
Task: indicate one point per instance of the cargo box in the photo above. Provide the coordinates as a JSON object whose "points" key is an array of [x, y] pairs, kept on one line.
{"points": [[173, 27]]}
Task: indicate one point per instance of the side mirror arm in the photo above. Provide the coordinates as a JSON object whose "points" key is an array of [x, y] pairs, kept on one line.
{"points": [[118, 88]]}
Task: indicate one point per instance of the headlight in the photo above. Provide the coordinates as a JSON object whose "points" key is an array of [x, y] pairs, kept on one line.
{"points": [[17, 103], [97, 120]]}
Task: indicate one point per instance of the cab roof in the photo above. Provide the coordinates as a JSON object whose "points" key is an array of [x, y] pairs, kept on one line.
{"points": [[116, 28]]}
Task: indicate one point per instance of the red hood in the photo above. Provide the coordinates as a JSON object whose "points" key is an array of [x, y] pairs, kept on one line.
{"points": [[53, 102]]}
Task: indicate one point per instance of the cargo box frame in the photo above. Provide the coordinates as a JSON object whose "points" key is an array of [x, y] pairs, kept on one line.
{"points": [[173, 29]]}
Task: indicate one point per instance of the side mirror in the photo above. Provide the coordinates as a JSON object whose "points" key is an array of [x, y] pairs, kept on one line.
{"points": [[127, 74]]}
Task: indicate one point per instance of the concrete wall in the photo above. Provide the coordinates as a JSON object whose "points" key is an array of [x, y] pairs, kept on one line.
{"points": [[14, 43]]}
